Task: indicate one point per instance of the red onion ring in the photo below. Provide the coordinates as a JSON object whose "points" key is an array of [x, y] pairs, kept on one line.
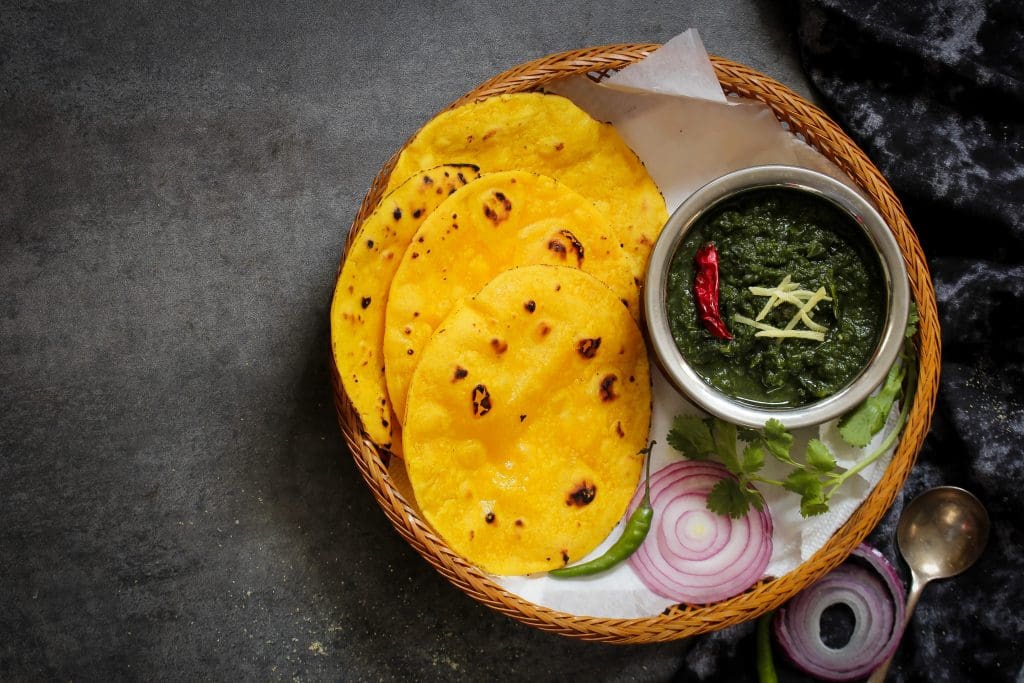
{"points": [[875, 594], [693, 555]]}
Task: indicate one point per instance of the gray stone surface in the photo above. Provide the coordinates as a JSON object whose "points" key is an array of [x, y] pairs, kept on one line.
{"points": [[176, 184]]}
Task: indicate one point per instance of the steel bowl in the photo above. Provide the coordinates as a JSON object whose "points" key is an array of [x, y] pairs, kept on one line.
{"points": [[690, 213]]}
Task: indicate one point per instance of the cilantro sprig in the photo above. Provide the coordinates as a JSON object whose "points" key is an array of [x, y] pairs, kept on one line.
{"points": [[705, 439], [816, 476], [862, 424]]}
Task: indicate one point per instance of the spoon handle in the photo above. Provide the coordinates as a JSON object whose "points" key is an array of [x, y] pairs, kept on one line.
{"points": [[915, 594]]}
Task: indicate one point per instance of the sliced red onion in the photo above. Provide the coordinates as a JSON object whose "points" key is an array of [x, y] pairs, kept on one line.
{"points": [[874, 593], [693, 555]]}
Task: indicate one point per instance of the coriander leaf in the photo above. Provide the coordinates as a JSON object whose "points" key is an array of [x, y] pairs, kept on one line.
{"points": [[819, 457], [812, 493], [727, 498], [725, 445], [753, 459], [912, 320], [858, 427], [691, 437], [753, 496], [813, 504], [778, 440], [803, 482]]}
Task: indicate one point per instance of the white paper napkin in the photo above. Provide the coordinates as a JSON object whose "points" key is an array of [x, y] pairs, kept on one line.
{"points": [[679, 67]]}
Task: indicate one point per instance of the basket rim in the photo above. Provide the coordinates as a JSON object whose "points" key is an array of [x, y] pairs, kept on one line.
{"points": [[823, 134]]}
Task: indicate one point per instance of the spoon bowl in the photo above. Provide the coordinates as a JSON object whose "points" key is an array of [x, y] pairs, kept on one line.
{"points": [[941, 533]]}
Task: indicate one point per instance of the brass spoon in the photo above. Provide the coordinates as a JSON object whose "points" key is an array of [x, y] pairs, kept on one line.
{"points": [[941, 533]]}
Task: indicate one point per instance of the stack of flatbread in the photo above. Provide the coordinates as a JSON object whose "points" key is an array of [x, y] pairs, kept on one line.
{"points": [[484, 327]]}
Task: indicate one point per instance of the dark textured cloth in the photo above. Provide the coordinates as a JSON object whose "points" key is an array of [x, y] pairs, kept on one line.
{"points": [[934, 93]]}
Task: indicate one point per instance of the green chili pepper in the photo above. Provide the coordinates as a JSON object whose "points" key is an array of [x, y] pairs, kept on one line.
{"points": [[637, 526], [765, 665]]}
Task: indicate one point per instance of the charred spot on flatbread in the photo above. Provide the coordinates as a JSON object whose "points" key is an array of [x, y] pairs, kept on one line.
{"points": [[481, 400], [581, 494], [588, 347], [566, 244], [497, 207], [608, 388]]}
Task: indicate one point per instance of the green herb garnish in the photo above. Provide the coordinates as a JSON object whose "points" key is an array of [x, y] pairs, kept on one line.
{"points": [[868, 419], [704, 439]]}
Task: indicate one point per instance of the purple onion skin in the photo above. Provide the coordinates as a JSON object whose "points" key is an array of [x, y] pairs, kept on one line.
{"points": [[858, 670]]}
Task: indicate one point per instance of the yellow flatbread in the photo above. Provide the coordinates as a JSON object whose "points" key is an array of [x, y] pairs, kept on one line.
{"points": [[499, 221], [548, 134], [526, 416], [357, 310]]}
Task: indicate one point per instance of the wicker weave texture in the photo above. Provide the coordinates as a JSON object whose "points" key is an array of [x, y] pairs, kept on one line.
{"points": [[823, 134]]}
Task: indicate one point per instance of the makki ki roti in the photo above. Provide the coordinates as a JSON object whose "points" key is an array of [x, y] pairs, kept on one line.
{"points": [[357, 310], [548, 134], [526, 418], [501, 220]]}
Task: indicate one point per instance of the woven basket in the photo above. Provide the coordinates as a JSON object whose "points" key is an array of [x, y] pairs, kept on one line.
{"points": [[819, 131]]}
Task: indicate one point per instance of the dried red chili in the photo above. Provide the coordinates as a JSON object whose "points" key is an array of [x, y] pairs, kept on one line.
{"points": [[705, 291]]}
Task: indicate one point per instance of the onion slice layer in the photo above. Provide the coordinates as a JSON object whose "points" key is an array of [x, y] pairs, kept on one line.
{"points": [[874, 593], [693, 555]]}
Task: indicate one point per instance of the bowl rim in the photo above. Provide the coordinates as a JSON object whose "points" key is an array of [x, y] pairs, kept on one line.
{"points": [[795, 178]]}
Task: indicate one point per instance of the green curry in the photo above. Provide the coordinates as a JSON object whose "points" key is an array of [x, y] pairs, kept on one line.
{"points": [[821, 326]]}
